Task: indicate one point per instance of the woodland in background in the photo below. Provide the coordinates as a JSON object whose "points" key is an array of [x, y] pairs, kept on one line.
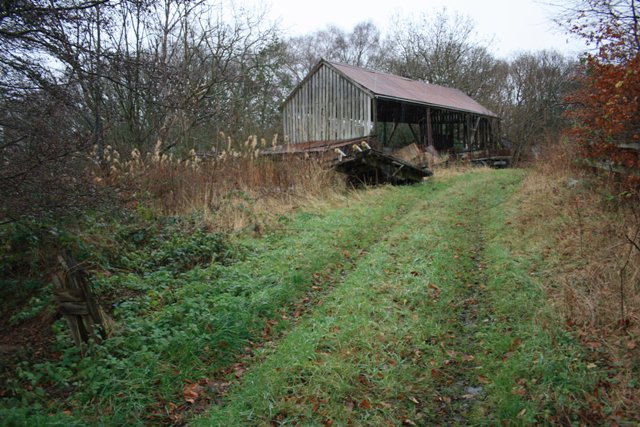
{"points": [[167, 77]]}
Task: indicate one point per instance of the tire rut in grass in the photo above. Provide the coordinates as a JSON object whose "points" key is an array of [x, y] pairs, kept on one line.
{"points": [[459, 389], [465, 389]]}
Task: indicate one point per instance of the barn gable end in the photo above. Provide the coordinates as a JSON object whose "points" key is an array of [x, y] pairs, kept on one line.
{"points": [[326, 106]]}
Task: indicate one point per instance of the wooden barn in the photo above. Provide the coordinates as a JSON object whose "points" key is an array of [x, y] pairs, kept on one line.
{"points": [[338, 102]]}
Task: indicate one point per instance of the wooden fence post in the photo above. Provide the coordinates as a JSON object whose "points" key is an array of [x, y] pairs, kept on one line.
{"points": [[72, 291]]}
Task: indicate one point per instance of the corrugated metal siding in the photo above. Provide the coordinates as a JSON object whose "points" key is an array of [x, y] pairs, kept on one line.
{"points": [[326, 106]]}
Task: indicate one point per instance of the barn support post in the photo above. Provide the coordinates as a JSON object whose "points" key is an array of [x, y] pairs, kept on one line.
{"points": [[498, 133], [384, 134], [467, 131], [374, 114], [475, 136], [429, 128], [450, 130], [491, 141], [394, 128], [416, 135]]}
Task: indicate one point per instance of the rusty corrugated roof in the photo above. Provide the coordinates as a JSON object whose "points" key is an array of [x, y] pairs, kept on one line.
{"points": [[390, 86]]}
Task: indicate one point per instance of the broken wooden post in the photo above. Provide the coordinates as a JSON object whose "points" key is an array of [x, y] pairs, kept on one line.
{"points": [[76, 302]]}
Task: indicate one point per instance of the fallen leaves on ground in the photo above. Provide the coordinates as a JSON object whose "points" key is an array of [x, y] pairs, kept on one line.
{"points": [[192, 392], [483, 380]]}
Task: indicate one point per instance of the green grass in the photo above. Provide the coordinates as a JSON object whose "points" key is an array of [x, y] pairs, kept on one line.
{"points": [[183, 326], [405, 305], [419, 330]]}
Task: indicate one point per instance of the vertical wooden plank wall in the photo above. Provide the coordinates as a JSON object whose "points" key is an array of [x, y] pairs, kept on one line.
{"points": [[327, 107]]}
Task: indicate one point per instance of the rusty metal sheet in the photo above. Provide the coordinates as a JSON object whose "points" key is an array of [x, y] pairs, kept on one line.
{"points": [[390, 86]]}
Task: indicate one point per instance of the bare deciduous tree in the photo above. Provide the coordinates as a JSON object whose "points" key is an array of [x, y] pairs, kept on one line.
{"points": [[361, 47], [442, 49], [613, 26], [536, 87], [41, 109], [131, 73]]}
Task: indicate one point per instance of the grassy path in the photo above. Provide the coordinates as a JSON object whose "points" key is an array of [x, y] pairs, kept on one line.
{"points": [[404, 306], [436, 325]]}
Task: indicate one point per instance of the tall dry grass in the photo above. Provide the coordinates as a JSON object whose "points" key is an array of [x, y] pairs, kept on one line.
{"points": [[595, 257], [232, 190]]}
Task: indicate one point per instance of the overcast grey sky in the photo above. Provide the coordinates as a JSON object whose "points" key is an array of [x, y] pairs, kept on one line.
{"points": [[513, 25]]}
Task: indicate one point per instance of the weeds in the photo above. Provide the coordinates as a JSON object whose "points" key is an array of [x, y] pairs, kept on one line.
{"points": [[235, 189], [164, 269], [586, 229]]}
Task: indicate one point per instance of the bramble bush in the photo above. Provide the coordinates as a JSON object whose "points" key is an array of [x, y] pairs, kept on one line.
{"points": [[606, 104]]}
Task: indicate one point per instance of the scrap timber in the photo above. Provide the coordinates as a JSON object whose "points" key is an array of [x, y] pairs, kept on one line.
{"points": [[371, 166], [313, 146], [496, 159], [362, 160]]}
